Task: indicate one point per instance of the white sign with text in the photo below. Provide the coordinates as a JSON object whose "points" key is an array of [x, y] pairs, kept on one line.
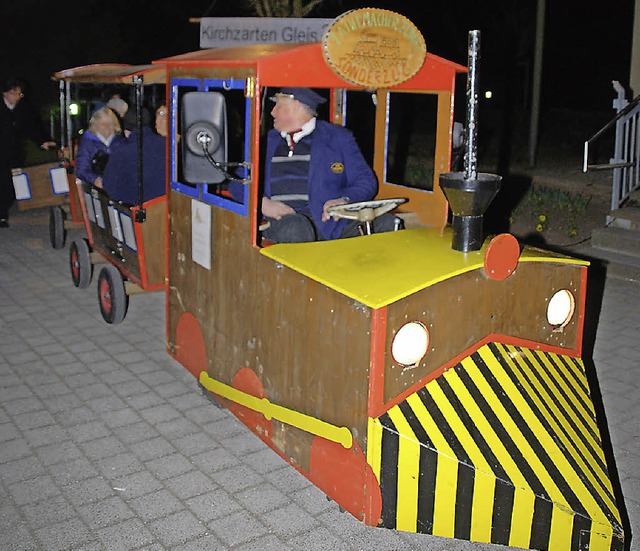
{"points": [[226, 32]]}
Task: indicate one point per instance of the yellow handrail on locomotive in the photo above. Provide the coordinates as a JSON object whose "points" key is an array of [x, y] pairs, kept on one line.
{"points": [[312, 425]]}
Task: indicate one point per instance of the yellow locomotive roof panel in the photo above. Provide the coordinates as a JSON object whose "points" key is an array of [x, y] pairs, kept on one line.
{"points": [[380, 269]]}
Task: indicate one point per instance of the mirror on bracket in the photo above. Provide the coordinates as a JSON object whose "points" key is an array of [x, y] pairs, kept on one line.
{"points": [[204, 135]]}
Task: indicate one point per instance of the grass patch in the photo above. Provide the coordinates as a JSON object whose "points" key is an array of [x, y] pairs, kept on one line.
{"points": [[548, 208]]}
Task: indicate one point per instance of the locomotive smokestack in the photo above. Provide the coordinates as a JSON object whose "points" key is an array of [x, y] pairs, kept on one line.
{"points": [[468, 192], [471, 147]]}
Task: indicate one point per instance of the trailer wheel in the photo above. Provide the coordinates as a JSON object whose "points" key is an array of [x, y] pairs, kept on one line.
{"points": [[112, 297], [57, 231], [80, 263]]}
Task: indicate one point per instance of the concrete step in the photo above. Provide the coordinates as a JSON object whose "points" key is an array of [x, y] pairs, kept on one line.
{"points": [[627, 218], [616, 239], [616, 264]]}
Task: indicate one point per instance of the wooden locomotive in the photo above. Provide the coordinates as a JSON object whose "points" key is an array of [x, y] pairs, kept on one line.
{"points": [[421, 387]]}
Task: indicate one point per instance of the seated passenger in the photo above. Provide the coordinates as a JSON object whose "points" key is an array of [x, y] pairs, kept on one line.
{"points": [[117, 104], [313, 165], [102, 138], [121, 176]]}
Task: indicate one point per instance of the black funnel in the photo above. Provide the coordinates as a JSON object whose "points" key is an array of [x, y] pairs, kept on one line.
{"points": [[470, 192], [469, 199]]}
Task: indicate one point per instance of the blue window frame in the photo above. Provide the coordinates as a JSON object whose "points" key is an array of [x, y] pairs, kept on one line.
{"points": [[179, 85], [234, 88]]}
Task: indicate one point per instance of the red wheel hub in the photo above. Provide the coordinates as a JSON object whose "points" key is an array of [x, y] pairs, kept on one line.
{"points": [[75, 264], [105, 295]]}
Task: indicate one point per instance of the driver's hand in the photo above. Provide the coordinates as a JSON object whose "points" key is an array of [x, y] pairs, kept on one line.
{"points": [[47, 145], [332, 203], [275, 209]]}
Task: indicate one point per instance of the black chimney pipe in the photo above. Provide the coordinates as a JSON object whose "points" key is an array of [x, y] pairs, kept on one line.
{"points": [[469, 193]]}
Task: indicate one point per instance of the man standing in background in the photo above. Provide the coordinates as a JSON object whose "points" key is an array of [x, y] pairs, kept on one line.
{"points": [[17, 122]]}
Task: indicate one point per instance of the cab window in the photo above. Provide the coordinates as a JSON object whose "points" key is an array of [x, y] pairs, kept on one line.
{"points": [[212, 151], [410, 134], [411, 140]]}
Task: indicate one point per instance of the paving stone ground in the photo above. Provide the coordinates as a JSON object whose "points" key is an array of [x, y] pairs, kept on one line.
{"points": [[107, 444]]}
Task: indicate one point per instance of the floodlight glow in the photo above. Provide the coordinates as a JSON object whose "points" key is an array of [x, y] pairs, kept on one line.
{"points": [[74, 109], [488, 94]]}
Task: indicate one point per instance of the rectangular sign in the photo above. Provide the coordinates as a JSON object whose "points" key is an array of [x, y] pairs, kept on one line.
{"points": [[59, 180], [225, 32], [201, 234], [21, 186]]}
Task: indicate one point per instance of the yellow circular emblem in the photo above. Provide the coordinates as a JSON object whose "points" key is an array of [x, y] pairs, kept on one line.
{"points": [[337, 168], [374, 48]]}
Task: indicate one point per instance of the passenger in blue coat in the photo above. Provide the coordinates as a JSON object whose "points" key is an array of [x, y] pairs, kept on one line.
{"points": [[102, 138], [121, 175], [312, 165]]}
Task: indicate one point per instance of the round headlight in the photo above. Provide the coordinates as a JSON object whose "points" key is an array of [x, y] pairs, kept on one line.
{"points": [[410, 344], [561, 308]]}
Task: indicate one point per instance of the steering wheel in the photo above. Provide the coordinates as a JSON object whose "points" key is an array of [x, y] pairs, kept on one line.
{"points": [[365, 211]]}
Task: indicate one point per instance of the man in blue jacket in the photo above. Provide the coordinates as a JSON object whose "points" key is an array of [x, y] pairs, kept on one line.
{"points": [[312, 165]]}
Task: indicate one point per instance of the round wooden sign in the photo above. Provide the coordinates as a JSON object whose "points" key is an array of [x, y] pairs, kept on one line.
{"points": [[374, 48]]}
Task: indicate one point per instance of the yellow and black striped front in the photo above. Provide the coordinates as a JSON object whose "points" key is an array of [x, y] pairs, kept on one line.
{"points": [[502, 448]]}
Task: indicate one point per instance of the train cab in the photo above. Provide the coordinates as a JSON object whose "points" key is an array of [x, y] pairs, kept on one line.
{"points": [[421, 387]]}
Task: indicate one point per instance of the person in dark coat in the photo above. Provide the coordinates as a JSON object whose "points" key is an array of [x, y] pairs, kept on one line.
{"points": [[120, 179], [17, 123]]}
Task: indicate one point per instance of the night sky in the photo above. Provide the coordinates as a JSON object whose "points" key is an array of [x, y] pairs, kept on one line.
{"points": [[584, 50]]}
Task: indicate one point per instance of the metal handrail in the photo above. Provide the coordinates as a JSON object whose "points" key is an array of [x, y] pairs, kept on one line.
{"points": [[630, 107], [608, 166], [625, 162]]}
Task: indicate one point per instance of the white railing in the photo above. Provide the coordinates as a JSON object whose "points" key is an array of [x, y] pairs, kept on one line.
{"points": [[625, 162]]}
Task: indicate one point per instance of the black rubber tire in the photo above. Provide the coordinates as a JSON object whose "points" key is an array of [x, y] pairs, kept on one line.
{"points": [[80, 263], [112, 298], [57, 231]]}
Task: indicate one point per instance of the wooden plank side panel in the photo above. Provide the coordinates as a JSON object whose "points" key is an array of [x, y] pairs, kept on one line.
{"points": [[320, 346], [154, 233], [41, 192], [307, 344]]}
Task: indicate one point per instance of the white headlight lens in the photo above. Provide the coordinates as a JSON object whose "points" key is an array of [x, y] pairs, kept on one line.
{"points": [[561, 308], [410, 344]]}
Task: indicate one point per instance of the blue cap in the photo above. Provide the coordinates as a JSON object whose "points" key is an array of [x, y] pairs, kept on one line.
{"points": [[303, 95]]}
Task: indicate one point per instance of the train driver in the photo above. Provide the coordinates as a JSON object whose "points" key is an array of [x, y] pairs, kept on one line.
{"points": [[312, 165]]}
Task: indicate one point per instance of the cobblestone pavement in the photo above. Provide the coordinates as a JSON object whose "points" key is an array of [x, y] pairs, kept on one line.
{"points": [[106, 443]]}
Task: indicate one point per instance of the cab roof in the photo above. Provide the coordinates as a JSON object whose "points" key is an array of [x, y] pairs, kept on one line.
{"points": [[305, 65], [111, 73]]}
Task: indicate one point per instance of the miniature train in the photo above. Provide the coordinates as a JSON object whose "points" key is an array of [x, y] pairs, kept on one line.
{"points": [[422, 388]]}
